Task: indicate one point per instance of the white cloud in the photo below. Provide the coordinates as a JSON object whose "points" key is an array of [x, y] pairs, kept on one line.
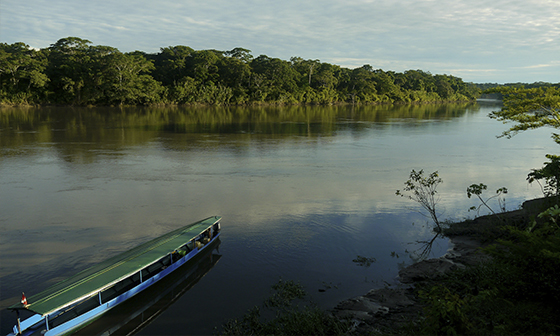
{"points": [[433, 35]]}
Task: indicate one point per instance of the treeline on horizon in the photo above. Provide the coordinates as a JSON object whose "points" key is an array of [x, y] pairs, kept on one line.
{"points": [[72, 71]]}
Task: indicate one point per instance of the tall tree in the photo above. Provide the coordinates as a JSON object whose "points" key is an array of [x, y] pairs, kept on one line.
{"points": [[363, 86], [273, 77], [443, 86], [128, 80], [22, 73], [204, 65], [533, 108], [68, 70], [173, 64], [241, 54], [236, 74]]}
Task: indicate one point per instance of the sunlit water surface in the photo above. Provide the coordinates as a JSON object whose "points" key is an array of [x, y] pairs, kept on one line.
{"points": [[303, 191]]}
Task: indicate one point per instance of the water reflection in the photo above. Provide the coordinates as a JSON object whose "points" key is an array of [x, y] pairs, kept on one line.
{"points": [[424, 250], [122, 127]]}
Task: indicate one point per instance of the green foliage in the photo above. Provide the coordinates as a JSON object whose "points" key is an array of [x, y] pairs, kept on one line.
{"points": [[484, 300], [530, 108], [22, 74], [477, 190], [516, 292], [444, 313], [73, 71], [550, 173], [423, 190], [552, 214], [534, 254], [288, 319]]}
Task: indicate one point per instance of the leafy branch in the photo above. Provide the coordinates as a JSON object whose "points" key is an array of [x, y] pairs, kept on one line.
{"points": [[422, 189], [478, 189]]}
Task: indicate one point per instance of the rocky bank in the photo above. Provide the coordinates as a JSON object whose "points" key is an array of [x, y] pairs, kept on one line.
{"points": [[392, 307]]}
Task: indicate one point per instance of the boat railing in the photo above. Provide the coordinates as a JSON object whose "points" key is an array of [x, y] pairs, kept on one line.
{"points": [[120, 287], [76, 310]]}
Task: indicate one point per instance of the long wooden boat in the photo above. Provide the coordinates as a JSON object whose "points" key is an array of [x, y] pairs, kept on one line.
{"points": [[77, 301], [135, 314]]}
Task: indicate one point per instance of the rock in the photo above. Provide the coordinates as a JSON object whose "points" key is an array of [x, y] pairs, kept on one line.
{"points": [[359, 306], [390, 308], [379, 309], [387, 309], [465, 251], [426, 270], [392, 298]]}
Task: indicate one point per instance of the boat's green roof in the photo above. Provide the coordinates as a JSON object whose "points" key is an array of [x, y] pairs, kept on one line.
{"points": [[110, 271]]}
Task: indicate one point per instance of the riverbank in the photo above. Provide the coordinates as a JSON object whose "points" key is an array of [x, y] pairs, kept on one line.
{"points": [[386, 310], [25, 104]]}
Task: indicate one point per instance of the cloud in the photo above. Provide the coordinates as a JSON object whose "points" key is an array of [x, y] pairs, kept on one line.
{"points": [[538, 66], [461, 34]]}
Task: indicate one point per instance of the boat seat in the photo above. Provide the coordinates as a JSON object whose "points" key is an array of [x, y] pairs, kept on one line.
{"points": [[154, 268], [125, 284], [108, 294], [67, 316], [87, 306], [114, 291]]}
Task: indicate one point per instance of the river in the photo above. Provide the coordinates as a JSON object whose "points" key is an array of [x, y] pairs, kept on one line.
{"points": [[302, 191]]}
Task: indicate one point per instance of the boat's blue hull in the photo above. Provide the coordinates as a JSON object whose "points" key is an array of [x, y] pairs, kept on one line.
{"points": [[38, 323]]}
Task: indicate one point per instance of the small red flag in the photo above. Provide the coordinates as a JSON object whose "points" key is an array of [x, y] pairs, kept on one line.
{"points": [[23, 299]]}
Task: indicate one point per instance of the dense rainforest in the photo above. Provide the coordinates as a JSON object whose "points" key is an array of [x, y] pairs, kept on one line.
{"points": [[72, 71]]}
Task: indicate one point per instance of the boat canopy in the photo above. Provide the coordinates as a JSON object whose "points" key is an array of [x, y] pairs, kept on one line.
{"points": [[103, 275]]}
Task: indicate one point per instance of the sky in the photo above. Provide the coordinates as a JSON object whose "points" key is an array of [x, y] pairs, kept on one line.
{"points": [[481, 41]]}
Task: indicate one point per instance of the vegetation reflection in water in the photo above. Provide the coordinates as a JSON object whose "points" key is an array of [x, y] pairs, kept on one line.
{"points": [[94, 124]]}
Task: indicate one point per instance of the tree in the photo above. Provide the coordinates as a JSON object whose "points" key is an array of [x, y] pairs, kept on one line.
{"points": [[235, 74], [127, 79], [423, 190], [69, 68], [550, 173], [478, 189], [273, 77], [305, 68], [97, 74], [73, 71], [173, 64], [22, 73], [386, 86], [443, 86], [362, 84], [529, 108], [204, 65], [240, 54], [533, 108]]}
